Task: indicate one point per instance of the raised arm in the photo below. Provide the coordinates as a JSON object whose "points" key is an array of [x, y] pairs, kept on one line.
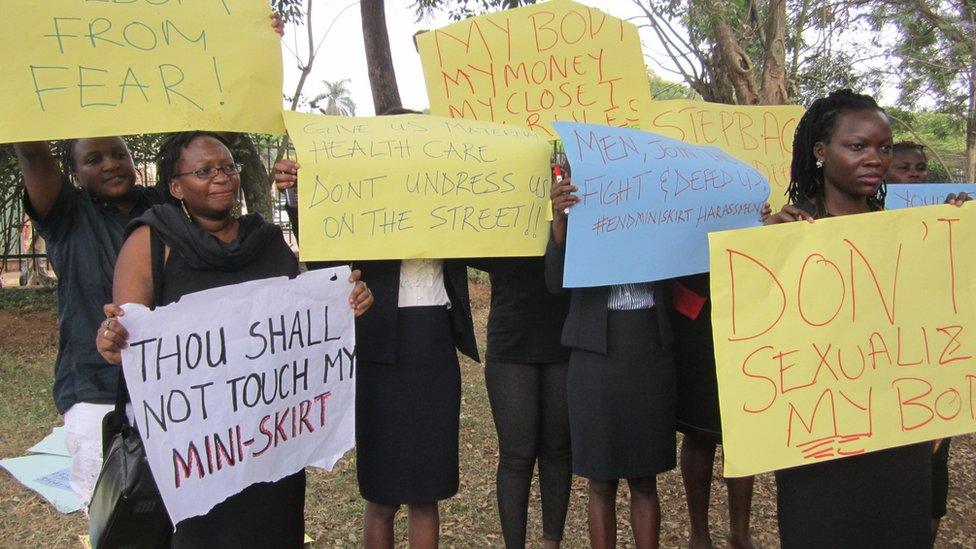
{"points": [[133, 281], [133, 284], [42, 175]]}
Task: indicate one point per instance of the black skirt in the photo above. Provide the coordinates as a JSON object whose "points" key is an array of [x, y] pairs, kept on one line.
{"points": [[407, 414], [879, 499], [694, 359], [622, 404], [266, 514]]}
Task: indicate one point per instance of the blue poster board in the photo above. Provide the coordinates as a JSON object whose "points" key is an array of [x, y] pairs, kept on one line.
{"points": [[910, 195], [47, 475], [648, 202]]}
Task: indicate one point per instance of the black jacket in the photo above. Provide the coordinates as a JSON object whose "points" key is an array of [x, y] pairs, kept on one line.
{"points": [[376, 331], [586, 323]]}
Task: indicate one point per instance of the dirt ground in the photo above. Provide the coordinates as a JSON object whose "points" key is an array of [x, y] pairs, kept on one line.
{"points": [[28, 343]]}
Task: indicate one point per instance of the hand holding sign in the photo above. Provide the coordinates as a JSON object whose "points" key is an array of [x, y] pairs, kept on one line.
{"points": [[249, 392], [396, 187], [646, 203], [848, 335]]}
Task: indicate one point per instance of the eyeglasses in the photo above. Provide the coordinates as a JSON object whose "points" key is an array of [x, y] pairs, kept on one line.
{"points": [[206, 174]]}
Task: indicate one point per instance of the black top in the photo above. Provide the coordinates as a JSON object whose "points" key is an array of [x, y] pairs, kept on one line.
{"points": [[83, 241], [586, 321], [376, 331], [199, 261], [263, 514], [525, 320]]}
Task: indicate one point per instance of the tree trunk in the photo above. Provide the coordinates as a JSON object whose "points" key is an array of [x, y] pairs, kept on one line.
{"points": [[971, 127], [773, 90], [736, 64], [254, 177], [379, 60]]}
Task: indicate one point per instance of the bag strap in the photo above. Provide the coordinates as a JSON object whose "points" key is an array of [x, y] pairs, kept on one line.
{"points": [[122, 395], [157, 251]]}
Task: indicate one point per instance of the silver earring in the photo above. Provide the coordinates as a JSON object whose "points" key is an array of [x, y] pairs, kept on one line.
{"points": [[819, 163]]}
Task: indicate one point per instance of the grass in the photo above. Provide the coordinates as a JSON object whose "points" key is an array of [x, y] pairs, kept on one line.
{"points": [[29, 300], [333, 512]]}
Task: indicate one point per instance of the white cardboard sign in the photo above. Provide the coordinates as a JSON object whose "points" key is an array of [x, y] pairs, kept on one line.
{"points": [[242, 384]]}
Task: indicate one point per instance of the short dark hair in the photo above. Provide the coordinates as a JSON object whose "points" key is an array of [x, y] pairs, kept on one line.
{"points": [[906, 146], [66, 157], [168, 156], [817, 124]]}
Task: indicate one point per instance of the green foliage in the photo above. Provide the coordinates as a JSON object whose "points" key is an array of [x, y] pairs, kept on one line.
{"points": [[826, 71], [935, 50], [29, 300], [943, 135], [11, 191], [338, 101], [478, 277], [289, 10], [662, 89], [462, 9], [935, 56]]}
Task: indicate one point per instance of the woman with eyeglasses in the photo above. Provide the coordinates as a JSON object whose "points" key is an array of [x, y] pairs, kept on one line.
{"points": [[198, 241]]}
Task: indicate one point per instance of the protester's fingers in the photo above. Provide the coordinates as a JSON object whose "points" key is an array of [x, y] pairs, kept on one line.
{"points": [[766, 211], [113, 340], [788, 214], [112, 357], [114, 330], [277, 24], [109, 349], [797, 213], [362, 298], [358, 291], [112, 310], [561, 203], [565, 182], [958, 199], [285, 174], [355, 275], [287, 166], [562, 189]]}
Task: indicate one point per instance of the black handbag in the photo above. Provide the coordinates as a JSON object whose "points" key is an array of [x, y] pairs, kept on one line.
{"points": [[126, 507]]}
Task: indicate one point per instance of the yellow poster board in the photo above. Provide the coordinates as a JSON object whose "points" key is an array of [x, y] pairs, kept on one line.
{"points": [[412, 186], [100, 68], [760, 135], [845, 336], [529, 66]]}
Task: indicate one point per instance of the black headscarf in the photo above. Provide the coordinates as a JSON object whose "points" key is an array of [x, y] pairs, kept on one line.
{"points": [[202, 250]]}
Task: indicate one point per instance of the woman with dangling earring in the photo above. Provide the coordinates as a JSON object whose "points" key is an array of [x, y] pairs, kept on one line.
{"points": [[199, 244], [841, 151]]}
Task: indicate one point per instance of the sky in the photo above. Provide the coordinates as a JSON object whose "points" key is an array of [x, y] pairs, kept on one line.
{"points": [[338, 26]]}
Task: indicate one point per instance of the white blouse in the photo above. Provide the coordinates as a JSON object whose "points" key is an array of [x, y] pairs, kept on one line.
{"points": [[422, 283]]}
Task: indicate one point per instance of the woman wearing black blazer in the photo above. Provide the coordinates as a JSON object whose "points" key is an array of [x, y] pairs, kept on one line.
{"points": [[620, 389], [408, 388], [408, 393]]}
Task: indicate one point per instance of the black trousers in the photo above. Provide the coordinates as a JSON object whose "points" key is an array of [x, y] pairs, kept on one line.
{"points": [[528, 403]]}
